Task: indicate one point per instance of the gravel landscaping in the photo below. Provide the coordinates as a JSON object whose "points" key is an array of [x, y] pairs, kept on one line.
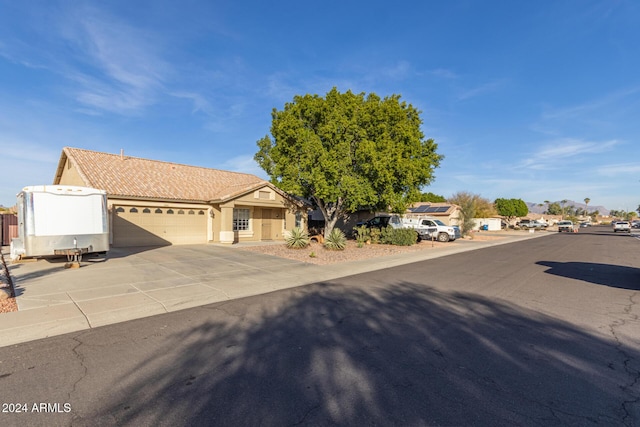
{"points": [[7, 304], [317, 254]]}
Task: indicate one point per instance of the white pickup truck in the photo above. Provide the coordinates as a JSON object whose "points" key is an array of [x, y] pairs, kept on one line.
{"points": [[427, 228], [566, 226], [432, 228]]}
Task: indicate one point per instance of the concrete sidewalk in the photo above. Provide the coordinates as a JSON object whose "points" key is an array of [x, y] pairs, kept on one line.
{"points": [[131, 283]]}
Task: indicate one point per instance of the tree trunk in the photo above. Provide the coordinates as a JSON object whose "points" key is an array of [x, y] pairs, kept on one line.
{"points": [[331, 212]]}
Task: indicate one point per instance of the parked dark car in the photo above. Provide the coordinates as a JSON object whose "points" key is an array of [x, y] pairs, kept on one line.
{"points": [[379, 222]]}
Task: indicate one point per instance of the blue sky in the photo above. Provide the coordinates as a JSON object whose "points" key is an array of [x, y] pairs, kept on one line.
{"points": [[533, 100]]}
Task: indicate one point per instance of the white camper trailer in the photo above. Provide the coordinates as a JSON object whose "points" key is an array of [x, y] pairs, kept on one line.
{"points": [[60, 220]]}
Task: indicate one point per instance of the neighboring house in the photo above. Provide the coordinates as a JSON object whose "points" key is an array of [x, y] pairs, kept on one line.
{"points": [[445, 212], [152, 202]]}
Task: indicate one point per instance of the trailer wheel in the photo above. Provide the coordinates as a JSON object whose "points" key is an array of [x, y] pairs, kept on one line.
{"points": [[443, 237]]}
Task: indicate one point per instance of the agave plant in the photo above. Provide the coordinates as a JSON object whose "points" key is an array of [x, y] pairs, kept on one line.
{"points": [[336, 240], [297, 238]]}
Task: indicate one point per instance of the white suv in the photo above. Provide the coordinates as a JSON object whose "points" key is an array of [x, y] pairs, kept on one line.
{"points": [[621, 226]]}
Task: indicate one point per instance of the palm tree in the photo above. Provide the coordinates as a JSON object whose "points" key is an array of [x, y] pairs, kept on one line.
{"points": [[562, 203], [586, 202], [546, 202]]}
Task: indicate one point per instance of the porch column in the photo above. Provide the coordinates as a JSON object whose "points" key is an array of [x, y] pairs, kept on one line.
{"points": [[226, 224]]}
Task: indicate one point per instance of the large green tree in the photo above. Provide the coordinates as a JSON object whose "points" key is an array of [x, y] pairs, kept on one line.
{"points": [[348, 151], [511, 208], [432, 197]]}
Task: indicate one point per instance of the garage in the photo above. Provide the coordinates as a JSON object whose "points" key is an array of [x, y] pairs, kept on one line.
{"points": [[153, 226]]}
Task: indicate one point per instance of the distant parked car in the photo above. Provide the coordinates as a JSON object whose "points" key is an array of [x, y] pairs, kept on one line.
{"points": [[635, 223], [621, 226], [538, 225], [566, 226], [523, 223], [585, 224]]}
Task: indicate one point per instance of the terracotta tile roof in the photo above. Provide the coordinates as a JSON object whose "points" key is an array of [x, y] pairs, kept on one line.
{"points": [[127, 176]]}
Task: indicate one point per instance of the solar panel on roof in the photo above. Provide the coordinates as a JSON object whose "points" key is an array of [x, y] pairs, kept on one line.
{"points": [[430, 209], [419, 209]]}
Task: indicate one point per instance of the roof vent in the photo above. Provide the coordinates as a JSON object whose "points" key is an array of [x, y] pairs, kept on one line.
{"points": [[122, 154]]}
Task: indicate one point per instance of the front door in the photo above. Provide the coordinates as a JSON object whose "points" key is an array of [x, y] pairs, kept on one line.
{"points": [[266, 224]]}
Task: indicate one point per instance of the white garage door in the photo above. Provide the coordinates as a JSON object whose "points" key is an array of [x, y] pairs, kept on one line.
{"points": [[152, 226]]}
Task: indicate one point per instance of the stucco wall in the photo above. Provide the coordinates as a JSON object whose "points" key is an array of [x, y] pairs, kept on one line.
{"points": [[70, 176]]}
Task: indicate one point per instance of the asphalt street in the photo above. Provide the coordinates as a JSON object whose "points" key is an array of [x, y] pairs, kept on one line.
{"points": [[541, 332]]}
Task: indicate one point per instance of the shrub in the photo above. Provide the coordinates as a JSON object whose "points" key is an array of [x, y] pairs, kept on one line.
{"points": [[386, 235], [297, 239], [374, 234], [404, 237], [399, 236], [336, 240], [363, 235]]}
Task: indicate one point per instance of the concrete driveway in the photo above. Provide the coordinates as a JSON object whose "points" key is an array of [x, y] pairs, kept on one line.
{"points": [[131, 283]]}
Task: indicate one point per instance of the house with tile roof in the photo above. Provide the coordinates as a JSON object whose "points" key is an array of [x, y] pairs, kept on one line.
{"points": [[153, 202], [448, 213]]}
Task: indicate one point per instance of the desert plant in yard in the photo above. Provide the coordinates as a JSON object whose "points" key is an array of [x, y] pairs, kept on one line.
{"points": [[336, 240], [363, 235], [404, 237], [386, 235], [398, 236], [297, 238], [374, 234]]}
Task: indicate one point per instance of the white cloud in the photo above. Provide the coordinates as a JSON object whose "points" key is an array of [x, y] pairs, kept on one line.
{"points": [[563, 150], [244, 164], [480, 90], [595, 105], [398, 71], [444, 73], [620, 169], [108, 65], [200, 103]]}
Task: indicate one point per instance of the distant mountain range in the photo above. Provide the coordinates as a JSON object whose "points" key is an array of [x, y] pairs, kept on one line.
{"points": [[534, 208]]}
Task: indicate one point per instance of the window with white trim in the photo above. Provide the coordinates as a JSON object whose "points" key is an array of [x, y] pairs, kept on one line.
{"points": [[240, 219]]}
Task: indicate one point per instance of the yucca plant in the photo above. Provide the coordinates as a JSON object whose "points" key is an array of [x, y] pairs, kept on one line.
{"points": [[336, 241], [297, 238]]}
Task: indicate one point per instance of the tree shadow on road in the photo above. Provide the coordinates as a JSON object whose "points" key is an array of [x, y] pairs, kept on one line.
{"points": [[615, 276], [401, 354]]}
